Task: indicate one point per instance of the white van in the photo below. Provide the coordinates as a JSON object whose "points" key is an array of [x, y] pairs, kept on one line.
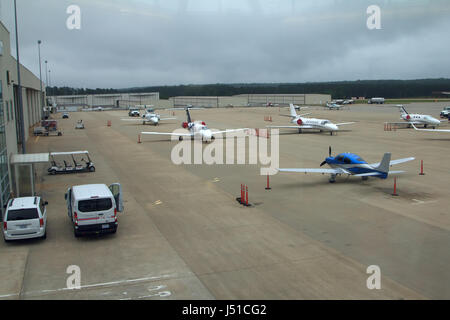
{"points": [[25, 218], [93, 207]]}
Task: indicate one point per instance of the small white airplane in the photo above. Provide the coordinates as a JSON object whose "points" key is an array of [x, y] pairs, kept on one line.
{"points": [[333, 105], [197, 130], [150, 117], [352, 164], [431, 130], [418, 119], [310, 123]]}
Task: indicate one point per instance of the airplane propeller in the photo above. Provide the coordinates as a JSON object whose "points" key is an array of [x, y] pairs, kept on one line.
{"points": [[329, 155]]}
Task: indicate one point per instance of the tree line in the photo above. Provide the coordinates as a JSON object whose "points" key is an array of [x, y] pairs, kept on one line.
{"points": [[422, 88]]}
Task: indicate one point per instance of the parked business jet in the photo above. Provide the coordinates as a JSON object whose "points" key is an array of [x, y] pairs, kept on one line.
{"points": [[352, 164], [310, 123], [151, 118], [197, 130], [418, 119]]}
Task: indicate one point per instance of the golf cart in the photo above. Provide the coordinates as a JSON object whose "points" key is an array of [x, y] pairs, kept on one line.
{"points": [[79, 125], [48, 127], [75, 166]]}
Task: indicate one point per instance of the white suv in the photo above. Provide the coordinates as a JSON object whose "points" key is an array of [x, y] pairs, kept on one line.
{"points": [[445, 112], [25, 218]]}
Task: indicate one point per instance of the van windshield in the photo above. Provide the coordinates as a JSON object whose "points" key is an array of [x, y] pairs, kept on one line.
{"points": [[90, 205], [22, 214]]}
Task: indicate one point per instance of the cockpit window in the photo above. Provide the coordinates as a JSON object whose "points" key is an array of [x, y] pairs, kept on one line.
{"points": [[325, 122], [347, 160], [360, 159], [340, 158]]}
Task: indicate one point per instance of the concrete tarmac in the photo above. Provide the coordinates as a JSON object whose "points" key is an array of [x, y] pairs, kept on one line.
{"points": [[183, 235]]}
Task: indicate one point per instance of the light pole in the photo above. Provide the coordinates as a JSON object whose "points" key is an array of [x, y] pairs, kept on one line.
{"points": [[19, 86], [40, 80], [46, 76], [49, 79]]}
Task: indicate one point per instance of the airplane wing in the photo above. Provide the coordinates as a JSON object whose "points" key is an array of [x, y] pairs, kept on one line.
{"points": [[138, 119], [169, 134], [406, 122], [431, 130], [291, 116], [344, 123], [229, 130], [393, 162], [307, 170], [295, 127], [167, 118], [286, 115]]}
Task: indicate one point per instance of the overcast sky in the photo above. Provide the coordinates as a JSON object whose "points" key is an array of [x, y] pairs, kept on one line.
{"points": [[127, 43]]}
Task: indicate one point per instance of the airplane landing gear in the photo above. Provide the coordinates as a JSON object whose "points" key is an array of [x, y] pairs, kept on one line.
{"points": [[332, 178], [364, 178], [299, 130]]}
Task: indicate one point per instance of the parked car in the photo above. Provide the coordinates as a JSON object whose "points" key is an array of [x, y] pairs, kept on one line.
{"points": [[445, 112], [134, 113], [65, 115], [92, 208], [25, 218]]}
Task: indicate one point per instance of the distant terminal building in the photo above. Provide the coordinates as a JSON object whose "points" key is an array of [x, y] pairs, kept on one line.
{"points": [[251, 100], [110, 100]]}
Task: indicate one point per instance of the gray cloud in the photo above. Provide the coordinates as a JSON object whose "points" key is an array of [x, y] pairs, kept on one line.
{"points": [[136, 43]]}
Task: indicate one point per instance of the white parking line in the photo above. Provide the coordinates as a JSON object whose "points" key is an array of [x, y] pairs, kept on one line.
{"points": [[96, 285]]}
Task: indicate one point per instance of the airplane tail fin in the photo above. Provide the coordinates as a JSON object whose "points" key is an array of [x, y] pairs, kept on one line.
{"points": [[292, 110], [188, 116], [384, 164], [402, 109]]}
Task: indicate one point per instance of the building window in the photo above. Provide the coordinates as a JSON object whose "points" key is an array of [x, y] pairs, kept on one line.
{"points": [[7, 110], [11, 106]]}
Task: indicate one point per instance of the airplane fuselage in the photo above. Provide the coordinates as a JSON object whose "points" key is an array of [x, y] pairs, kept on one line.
{"points": [[353, 164], [153, 118], [320, 124], [199, 129], [421, 119]]}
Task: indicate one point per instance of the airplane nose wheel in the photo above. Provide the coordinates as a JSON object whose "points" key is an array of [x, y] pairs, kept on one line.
{"points": [[332, 178]]}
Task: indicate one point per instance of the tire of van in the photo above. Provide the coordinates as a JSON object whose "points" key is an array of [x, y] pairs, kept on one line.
{"points": [[92, 169], [76, 233], [53, 171], [44, 236]]}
